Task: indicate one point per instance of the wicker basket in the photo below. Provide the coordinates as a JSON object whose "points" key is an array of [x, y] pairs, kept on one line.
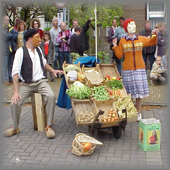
{"points": [[78, 148]]}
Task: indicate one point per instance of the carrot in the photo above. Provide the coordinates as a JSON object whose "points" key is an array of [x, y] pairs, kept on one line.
{"points": [[117, 93]]}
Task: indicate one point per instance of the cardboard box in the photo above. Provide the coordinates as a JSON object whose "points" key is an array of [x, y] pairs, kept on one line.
{"points": [[149, 134]]}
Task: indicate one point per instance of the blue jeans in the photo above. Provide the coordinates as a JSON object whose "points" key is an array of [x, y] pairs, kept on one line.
{"points": [[5, 66], [64, 56], [151, 59], [56, 61]]}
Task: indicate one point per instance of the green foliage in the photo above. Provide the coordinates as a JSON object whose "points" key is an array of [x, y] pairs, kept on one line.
{"points": [[103, 56], [29, 10], [47, 29], [105, 12]]}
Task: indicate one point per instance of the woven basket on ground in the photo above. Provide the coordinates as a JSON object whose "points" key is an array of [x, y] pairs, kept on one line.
{"points": [[78, 148]]}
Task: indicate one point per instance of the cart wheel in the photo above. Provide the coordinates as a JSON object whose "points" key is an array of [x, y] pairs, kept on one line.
{"points": [[117, 131]]}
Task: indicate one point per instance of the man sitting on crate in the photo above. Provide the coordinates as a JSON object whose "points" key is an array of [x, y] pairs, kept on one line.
{"points": [[29, 65]]}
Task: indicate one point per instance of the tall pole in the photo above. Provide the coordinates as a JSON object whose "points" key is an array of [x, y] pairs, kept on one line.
{"points": [[95, 11]]}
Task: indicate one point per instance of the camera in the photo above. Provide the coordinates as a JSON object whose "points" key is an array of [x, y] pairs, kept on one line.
{"points": [[67, 37]]}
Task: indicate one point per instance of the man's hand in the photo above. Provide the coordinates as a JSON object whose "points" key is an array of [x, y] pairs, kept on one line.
{"points": [[57, 71], [64, 40], [16, 98], [154, 31], [63, 37]]}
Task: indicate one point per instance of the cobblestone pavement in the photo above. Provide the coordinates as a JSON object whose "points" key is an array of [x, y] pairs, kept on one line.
{"points": [[32, 149]]}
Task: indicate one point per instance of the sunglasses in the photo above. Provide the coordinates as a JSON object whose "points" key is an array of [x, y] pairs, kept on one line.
{"points": [[35, 23]]}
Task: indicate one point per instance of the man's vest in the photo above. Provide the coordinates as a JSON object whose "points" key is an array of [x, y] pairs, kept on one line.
{"points": [[26, 68]]}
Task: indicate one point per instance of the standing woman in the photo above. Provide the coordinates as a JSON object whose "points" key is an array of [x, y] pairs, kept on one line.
{"points": [[134, 74], [47, 47], [21, 28], [35, 24]]}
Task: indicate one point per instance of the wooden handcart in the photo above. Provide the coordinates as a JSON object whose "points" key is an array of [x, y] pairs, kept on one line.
{"points": [[100, 109]]}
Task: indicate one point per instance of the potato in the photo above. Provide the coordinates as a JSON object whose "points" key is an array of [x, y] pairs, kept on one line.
{"points": [[87, 115], [87, 112], [83, 117], [91, 113], [81, 121]]}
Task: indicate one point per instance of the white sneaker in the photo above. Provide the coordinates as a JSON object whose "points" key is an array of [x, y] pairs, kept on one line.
{"points": [[139, 117]]}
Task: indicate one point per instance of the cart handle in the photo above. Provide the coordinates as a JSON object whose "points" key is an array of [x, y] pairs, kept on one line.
{"points": [[98, 114]]}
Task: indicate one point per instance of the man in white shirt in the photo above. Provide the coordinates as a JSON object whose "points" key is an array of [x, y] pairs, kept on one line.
{"points": [[29, 64]]}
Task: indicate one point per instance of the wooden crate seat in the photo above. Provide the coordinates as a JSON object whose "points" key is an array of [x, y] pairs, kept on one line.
{"points": [[39, 112]]}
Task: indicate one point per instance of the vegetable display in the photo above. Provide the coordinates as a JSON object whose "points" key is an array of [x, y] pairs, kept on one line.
{"points": [[111, 117], [71, 68], [79, 91], [127, 103], [86, 117], [100, 93], [115, 84]]}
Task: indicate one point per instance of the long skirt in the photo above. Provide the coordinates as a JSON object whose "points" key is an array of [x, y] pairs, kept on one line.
{"points": [[135, 83]]}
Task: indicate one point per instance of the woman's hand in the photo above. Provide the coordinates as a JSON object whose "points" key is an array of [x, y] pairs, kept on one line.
{"points": [[114, 42]]}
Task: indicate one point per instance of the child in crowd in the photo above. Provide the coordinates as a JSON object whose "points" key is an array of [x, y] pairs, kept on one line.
{"points": [[157, 70], [47, 47]]}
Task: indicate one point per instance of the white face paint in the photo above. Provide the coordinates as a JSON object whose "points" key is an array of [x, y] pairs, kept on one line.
{"points": [[131, 27]]}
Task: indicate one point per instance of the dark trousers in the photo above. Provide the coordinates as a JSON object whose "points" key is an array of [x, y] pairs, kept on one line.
{"points": [[151, 59], [64, 56], [10, 63], [56, 61], [118, 63]]}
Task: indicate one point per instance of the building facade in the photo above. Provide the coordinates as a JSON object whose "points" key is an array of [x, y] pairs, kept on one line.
{"points": [[156, 12]]}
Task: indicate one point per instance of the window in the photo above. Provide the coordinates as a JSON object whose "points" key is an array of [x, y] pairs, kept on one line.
{"points": [[156, 12], [156, 6]]}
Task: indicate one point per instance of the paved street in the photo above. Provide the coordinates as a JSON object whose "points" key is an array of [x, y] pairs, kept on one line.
{"points": [[32, 149]]}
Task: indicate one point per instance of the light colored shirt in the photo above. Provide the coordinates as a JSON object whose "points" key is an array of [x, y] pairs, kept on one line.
{"points": [[54, 34], [119, 33], [114, 28], [72, 31], [37, 72]]}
